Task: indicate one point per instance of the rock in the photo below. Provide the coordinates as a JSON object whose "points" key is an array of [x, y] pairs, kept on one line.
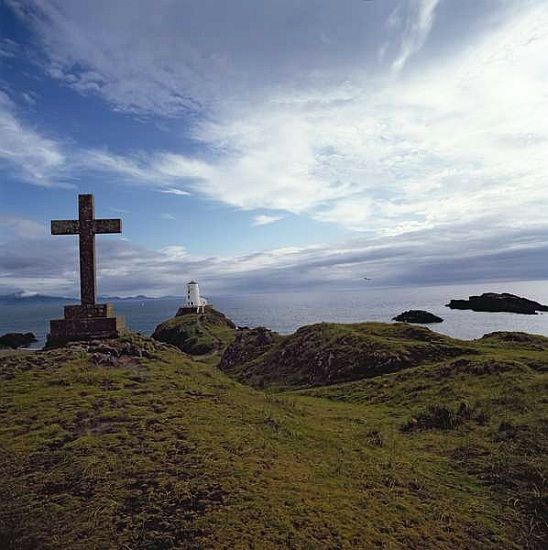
{"points": [[417, 316], [105, 350], [331, 353], [248, 345], [493, 302], [197, 333], [125, 351], [14, 340]]}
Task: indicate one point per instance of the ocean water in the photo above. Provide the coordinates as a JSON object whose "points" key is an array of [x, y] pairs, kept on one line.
{"points": [[285, 312]]}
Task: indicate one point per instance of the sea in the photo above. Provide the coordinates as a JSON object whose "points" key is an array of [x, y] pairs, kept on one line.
{"points": [[284, 312]]}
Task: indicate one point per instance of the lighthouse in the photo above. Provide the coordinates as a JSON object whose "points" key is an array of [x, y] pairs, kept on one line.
{"points": [[193, 300]]}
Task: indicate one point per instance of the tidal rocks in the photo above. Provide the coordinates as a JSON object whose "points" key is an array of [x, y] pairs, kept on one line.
{"points": [[418, 316], [493, 302], [14, 340]]}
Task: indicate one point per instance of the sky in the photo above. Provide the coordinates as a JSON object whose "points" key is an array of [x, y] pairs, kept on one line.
{"points": [[261, 146]]}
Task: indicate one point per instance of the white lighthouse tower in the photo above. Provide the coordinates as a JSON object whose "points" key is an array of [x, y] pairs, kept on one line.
{"points": [[193, 299]]}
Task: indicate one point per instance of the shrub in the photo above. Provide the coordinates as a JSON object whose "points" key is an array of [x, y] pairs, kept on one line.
{"points": [[439, 417]]}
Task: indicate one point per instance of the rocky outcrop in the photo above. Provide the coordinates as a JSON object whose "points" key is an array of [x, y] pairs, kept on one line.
{"points": [[329, 353], [493, 302], [248, 345], [14, 340], [516, 340], [197, 333], [418, 316]]}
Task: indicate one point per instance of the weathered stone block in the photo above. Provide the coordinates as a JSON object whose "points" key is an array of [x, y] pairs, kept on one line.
{"points": [[87, 311], [90, 328]]}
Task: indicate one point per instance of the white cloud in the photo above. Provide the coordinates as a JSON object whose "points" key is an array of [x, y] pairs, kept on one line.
{"points": [[263, 219], [166, 216], [21, 227], [36, 159], [173, 191], [354, 212], [8, 48], [187, 55], [417, 29], [462, 139], [174, 252], [492, 252], [29, 98]]}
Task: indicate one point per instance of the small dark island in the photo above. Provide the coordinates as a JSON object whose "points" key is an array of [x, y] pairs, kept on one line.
{"points": [[417, 316], [493, 302], [14, 340]]}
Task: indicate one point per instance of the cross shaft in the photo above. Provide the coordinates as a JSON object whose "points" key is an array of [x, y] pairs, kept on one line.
{"points": [[86, 226]]}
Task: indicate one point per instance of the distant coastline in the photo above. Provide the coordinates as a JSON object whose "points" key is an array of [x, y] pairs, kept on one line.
{"points": [[286, 312], [26, 298]]}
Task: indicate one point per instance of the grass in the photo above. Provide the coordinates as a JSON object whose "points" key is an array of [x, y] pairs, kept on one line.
{"points": [[330, 353], [168, 452], [197, 334]]}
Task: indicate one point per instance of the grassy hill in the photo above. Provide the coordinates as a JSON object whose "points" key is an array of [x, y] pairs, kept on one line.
{"points": [[197, 333], [133, 444], [328, 353]]}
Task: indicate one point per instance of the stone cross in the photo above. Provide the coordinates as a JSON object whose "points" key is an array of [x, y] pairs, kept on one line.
{"points": [[86, 226]]}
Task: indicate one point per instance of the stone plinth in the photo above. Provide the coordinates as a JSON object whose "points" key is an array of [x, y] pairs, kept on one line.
{"points": [[85, 322]]}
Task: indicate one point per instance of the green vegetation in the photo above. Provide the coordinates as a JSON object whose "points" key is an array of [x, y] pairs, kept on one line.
{"points": [[197, 333], [133, 444], [329, 353]]}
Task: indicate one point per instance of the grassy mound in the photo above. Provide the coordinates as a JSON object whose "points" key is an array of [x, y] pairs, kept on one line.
{"points": [[485, 417], [329, 353], [132, 444], [197, 333]]}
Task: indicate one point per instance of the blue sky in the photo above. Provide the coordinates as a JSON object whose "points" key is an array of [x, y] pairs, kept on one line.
{"points": [[265, 145]]}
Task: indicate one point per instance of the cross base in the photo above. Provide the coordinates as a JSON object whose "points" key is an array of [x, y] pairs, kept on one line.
{"points": [[85, 322]]}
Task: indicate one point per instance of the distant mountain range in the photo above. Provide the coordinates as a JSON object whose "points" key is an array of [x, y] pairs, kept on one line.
{"points": [[26, 298]]}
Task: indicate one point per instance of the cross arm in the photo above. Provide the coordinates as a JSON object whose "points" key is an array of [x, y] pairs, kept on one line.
{"points": [[65, 227], [107, 226]]}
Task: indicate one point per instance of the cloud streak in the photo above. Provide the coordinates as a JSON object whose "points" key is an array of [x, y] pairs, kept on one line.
{"points": [[418, 26], [35, 158], [41, 263], [263, 219], [461, 140]]}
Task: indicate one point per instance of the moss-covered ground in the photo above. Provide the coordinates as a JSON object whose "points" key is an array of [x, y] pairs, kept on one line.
{"points": [[158, 450], [197, 333]]}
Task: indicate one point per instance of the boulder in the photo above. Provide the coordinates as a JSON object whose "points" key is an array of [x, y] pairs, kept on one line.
{"points": [[493, 302], [417, 316], [14, 340]]}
